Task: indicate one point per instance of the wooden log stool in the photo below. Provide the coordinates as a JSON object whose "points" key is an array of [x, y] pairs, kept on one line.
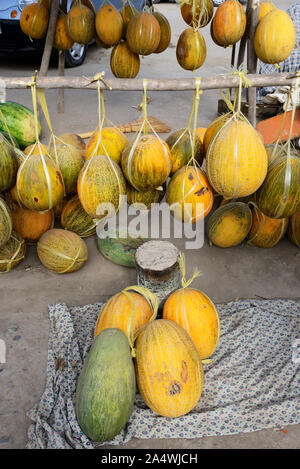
{"points": [[158, 268]]}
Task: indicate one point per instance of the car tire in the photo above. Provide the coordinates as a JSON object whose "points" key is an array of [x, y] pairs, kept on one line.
{"points": [[75, 56]]}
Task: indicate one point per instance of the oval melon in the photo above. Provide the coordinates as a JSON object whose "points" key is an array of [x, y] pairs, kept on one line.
{"points": [[106, 387], [229, 225]]}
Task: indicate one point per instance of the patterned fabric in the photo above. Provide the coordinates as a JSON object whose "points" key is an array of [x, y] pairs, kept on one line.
{"points": [[292, 63], [252, 383]]}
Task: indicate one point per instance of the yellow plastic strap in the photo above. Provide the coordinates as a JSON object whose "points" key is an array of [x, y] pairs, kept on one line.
{"points": [[186, 283]]}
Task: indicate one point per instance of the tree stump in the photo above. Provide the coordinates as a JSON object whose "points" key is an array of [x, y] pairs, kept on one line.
{"points": [[158, 268]]}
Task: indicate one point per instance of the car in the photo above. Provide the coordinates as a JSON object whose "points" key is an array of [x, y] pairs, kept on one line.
{"points": [[12, 38]]}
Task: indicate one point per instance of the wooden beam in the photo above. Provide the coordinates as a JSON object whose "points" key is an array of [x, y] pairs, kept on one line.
{"points": [[253, 6], [49, 38], [116, 84], [61, 68]]}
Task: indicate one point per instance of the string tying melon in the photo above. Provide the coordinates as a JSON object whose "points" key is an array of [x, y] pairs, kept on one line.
{"points": [[189, 194], [5, 223], [236, 160], [40, 183], [101, 185], [111, 143], [229, 225], [195, 313], [197, 13], [180, 144], [70, 162], [146, 162], [168, 369], [74, 218], [62, 251], [128, 310], [12, 253], [266, 232]]}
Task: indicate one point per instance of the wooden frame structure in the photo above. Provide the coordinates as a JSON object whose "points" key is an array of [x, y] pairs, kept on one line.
{"points": [[61, 82]]}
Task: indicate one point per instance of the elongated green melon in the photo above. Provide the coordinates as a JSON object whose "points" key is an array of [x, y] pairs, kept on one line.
{"points": [[106, 387], [20, 121], [120, 249]]}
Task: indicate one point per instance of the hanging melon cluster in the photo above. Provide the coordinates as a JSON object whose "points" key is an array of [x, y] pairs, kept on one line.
{"points": [[131, 34], [247, 174], [189, 193], [191, 47]]}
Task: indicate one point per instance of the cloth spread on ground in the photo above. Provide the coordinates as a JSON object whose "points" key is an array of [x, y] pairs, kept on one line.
{"points": [[252, 383]]}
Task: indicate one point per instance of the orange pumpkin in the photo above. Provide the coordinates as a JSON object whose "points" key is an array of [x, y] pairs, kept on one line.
{"points": [[229, 23], [34, 20], [191, 49], [127, 311], [31, 224], [109, 25], [202, 14], [168, 369], [111, 142], [143, 33], [189, 194], [62, 40], [81, 24], [196, 313], [146, 162], [165, 32], [123, 62], [294, 229], [266, 232]]}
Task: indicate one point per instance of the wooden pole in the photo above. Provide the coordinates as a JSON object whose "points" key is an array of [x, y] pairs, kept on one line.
{"points": [[61, 72], [116, 84], [61, 68], [253, 6], [49, 38]]}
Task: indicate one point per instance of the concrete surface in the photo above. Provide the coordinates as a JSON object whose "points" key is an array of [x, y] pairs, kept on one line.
{"points": [[242, 272]]}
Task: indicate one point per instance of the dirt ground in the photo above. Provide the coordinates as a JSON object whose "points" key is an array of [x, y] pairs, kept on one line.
{"points": [[242, 272]]}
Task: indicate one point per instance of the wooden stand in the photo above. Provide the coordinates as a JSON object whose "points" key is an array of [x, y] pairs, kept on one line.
{"points": [[158, 268]]}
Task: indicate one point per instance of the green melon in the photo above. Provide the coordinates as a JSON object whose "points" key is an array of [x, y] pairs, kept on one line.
{"points": [[229, 225], [12, 253], [120, 249], [74, 218], [8, 165], [70, 162], [20, 121], [106, 387], [279, 195], [5, 223]]}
